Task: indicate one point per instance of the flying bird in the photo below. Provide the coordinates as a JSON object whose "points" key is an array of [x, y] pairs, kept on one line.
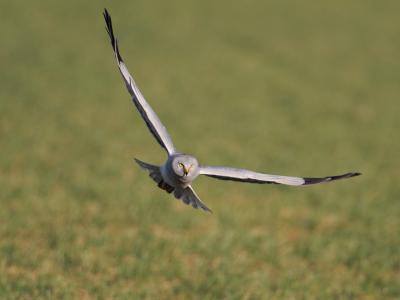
{"points": [[180, 170]]}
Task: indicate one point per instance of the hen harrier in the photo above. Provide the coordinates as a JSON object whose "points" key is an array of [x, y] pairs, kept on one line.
{"points": [[179, 171]]}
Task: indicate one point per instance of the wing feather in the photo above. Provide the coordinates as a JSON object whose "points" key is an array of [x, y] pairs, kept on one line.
{"points": [[189, 196], [243, 175], [151, 119]]}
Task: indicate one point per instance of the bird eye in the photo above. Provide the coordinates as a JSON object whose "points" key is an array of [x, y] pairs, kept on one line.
{"points": [[180, 165]]}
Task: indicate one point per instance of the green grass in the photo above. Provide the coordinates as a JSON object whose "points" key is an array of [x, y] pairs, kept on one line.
{"points": [[287, 87]]}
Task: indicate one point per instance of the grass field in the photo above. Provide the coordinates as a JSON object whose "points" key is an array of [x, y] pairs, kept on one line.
{"points": [[287, 87]]}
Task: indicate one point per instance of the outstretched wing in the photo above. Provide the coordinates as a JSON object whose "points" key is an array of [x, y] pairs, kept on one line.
{"points": [[254, 177], [149, 116]]}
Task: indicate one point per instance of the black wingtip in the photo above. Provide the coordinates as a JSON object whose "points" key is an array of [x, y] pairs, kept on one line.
{"points": [[109, 28], [330, 178], [351, 174]]}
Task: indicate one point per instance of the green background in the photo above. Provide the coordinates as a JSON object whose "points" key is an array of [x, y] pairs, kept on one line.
{"points": [[286, 87]]}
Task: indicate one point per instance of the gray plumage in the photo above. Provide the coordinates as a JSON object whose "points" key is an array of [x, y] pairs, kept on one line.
{"points": [[180, 170]]}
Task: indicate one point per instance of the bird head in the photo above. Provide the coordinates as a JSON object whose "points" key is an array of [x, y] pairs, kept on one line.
{"points": [[185, 166]]}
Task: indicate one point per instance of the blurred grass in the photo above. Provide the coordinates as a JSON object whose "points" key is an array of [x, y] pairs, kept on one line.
{"points": [[287, 87]]}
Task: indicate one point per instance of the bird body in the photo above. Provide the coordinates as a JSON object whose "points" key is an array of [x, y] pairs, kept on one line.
{"points": [[180, 170]]}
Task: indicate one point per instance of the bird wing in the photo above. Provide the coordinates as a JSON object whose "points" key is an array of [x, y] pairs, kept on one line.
{"points": [[189, 196], [149, 116], [242, 175]]}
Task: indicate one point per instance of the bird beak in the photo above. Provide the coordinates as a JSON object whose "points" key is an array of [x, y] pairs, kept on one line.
{"points": [[185, 171]]}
